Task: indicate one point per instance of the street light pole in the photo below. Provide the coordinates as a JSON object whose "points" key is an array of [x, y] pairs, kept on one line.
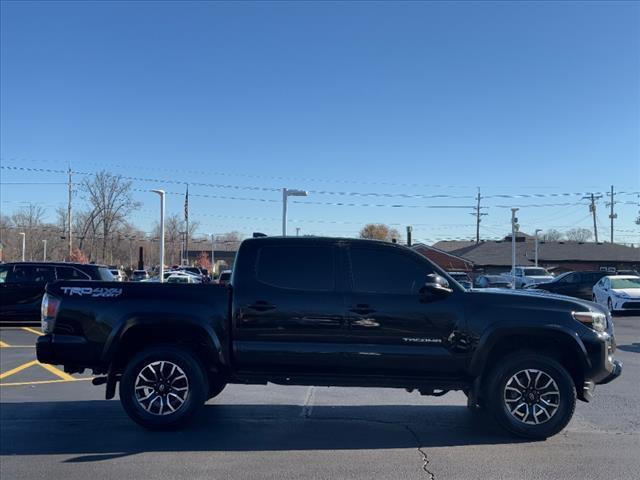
{"points": [[23, 244], [286, 193], [514, 226], [44, 259], [161, 193], [536, 253], [213, 261]]}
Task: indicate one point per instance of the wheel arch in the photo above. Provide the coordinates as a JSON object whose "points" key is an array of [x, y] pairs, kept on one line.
{"points": [[139, 332], [559, 344]]}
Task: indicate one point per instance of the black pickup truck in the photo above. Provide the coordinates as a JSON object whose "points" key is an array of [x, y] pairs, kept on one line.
{"points": [[324, 311]]}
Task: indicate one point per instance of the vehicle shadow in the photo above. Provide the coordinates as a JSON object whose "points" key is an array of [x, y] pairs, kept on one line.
{"points": [[99, 430], [633, 348]]}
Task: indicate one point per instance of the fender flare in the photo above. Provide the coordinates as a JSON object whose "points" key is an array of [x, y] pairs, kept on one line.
{"points": [[145, 320], [492, 337]]}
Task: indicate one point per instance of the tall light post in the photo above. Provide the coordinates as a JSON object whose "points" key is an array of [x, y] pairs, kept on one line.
{"points": [[536, 251], [44, 255], [23, 244], [514, 229], [286, 193], [161, 193], [213, 260]]}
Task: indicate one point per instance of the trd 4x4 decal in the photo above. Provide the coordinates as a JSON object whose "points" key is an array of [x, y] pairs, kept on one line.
{"points": [[92, 292]]}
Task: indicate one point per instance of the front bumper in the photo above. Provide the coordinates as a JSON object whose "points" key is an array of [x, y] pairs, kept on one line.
{"points": [[615, 373]]}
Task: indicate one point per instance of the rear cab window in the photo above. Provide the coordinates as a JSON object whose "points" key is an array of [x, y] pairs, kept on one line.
{"points": [[71, 273], [105, 274]]}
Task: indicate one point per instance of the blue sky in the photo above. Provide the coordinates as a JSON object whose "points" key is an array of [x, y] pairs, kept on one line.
{"points": [[385, 98]]}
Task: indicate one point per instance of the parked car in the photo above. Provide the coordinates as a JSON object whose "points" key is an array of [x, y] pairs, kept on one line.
{"points": [[139, 275], [316, 311], [529, 275], [573, 284], [176, 277], [492, 281], [618, 292], [224, 278], [194, 271], [22, 285], [118, 275], [462, 278]]}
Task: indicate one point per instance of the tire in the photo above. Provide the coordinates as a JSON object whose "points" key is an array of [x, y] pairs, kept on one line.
{"points": [[215, 388], [165, 397], [528, 419]]}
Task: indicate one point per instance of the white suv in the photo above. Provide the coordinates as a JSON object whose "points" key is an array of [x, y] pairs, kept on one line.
{"points": [[530, 275]]}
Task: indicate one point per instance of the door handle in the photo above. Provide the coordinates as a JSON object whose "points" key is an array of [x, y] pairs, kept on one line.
{"points": [[261, 306], [362, 309]]}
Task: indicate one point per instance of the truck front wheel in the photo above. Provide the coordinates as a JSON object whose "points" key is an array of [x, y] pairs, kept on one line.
{"points": [[163, 387], [530, 395]]}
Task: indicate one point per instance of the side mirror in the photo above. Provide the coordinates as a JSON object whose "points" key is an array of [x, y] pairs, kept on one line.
{"points": [[435, 286]]}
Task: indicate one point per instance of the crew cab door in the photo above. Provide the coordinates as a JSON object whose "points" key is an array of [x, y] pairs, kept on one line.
{"points": [[394, 328], [288, 312]]}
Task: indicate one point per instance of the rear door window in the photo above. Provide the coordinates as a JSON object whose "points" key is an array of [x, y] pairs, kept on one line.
{"points": [[299, 267], [32, 274], [386, 270]]}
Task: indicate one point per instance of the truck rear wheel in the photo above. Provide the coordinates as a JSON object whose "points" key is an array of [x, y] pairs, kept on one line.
{"points": [[163, 387], [532, 396]]}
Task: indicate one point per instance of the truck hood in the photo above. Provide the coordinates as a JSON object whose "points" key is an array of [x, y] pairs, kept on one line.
{"points": [[542, 299]]}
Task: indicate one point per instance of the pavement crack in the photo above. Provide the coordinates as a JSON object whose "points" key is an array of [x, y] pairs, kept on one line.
{"points": [[425, 457], [308, 403]]}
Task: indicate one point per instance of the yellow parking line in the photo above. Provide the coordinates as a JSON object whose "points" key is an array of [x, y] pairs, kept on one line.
{"points": [[42, 382], [16, 346], [32, 330], [19, 368], [57, 372], [3, 344]]}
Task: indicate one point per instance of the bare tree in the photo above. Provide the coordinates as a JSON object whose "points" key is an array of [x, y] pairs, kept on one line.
{"points": [[380, 231], [578, 234], [551, 235], [111, 200], [229, 241]]}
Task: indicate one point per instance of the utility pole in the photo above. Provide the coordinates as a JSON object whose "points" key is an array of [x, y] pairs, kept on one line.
{"points": [[536, 251], [70, 184], [612, 215], [297, 231], [592, 209], [44, 255], [477, 213], [409, 231], [186, 219]]}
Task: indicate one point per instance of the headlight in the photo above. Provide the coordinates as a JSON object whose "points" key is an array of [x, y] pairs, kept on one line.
{"points": [[595, 320], [621, 294]]}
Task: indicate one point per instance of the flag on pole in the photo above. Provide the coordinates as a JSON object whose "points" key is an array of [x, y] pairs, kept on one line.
{"points": [[186, 205]]}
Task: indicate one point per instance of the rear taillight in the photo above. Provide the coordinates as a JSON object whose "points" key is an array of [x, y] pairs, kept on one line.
{"points": [[48, 312]]}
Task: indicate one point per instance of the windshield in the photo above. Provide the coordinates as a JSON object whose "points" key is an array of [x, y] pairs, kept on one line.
{"points": [[622, 283], [105, 274], [536, 272]]}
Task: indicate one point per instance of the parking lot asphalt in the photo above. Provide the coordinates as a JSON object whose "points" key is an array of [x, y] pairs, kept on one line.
{"points": [[53, 425]]}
